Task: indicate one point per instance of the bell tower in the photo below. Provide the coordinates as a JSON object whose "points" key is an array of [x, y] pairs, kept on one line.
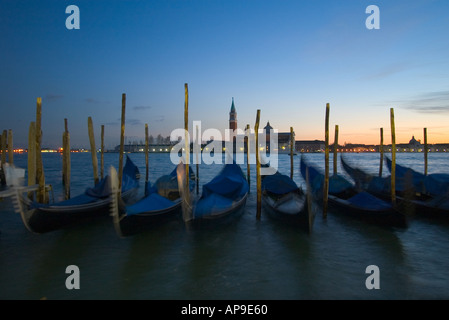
{"points": [[233, 117]]}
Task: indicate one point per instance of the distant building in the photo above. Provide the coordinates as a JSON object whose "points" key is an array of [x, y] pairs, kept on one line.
{"points": [[141, 148], [284, 140], [413, 143], [438, 147], [355, 147], [412, 146], [304, 146]]}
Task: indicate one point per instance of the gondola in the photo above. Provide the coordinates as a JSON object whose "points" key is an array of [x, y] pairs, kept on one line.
{"points": [[221, 200], [345, 198], [409, 197], [432, 185], [160, 203], [284, 200], [93, 202]]}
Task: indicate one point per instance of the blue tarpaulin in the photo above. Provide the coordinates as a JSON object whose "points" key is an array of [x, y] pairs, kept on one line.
{"points": [[278, 184], [228, 187]]}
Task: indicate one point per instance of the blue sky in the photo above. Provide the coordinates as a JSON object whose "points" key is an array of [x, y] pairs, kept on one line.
{"points": [[286, 58]]}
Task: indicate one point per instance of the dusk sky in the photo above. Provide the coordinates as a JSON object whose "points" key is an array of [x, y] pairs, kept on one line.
{"points": [[286, 58]]}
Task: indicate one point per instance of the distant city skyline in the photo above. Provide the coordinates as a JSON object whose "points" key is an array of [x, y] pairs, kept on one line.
{"points": [[287, 58], [141, 139]]}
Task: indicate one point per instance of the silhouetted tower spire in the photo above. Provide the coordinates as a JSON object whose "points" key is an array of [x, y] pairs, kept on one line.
{"points": [[232, 117], [233, 124]]}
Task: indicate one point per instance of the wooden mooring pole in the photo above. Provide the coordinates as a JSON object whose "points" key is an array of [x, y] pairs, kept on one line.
{"points": [[3, 158], [393, 158], [326, 162], [292, 143], [10, 148], [3, 142], [147, 164], [93, 149], [41, 194], [102, 152], [248, 174], [426, 150], [197, 150], [187, 142], [184, 177], [66, 164], [31, 158], [258, 177], [122, 144], [381, 150]]}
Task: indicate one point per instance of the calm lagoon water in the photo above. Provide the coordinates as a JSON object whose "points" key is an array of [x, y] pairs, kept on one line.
{"points": [[249, 259]]}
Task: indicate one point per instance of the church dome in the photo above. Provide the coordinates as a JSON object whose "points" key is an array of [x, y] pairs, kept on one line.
{"points": [[413, 141]]}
